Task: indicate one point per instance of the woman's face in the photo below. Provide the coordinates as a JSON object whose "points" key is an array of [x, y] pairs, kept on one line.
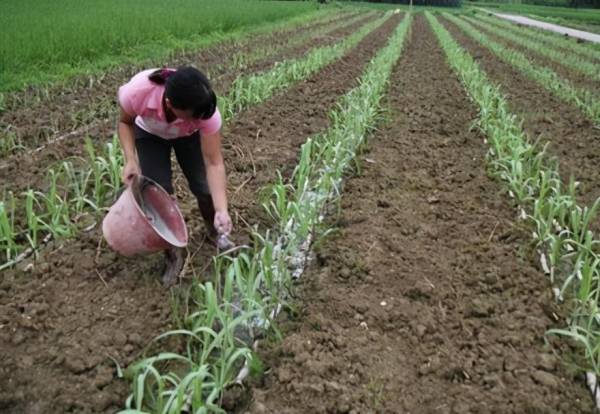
{"points": [[185, 114]]}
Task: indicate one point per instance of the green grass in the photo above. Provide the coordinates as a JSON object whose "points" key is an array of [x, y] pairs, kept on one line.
{"points": [[45, 41]]}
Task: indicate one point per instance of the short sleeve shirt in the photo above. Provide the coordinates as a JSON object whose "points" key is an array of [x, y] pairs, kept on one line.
{"points": [[142, 98]]}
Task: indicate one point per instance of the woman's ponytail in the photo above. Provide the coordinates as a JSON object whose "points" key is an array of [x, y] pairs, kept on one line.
{"points": [[160, 76]]}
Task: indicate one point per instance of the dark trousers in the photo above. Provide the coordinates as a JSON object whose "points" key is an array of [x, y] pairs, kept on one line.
{"points": [[154, 154]]}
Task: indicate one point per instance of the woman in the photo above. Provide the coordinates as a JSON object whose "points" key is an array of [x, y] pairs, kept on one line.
{"points": [[165, 109]]}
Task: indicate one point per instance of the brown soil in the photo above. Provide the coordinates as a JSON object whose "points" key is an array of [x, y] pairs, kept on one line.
{"points": [[578, 79], [26, 170], [63, 320], [423, 302], [572, 138]]}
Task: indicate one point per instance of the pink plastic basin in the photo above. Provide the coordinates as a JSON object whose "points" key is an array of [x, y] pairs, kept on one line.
{"points": [[144, 219]]}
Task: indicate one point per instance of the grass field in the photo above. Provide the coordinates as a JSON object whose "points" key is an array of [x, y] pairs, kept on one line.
{"points": [[414, 196], [44, 41]]}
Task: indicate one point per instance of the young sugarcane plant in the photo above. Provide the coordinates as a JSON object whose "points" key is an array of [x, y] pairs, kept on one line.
{"points": [[56, 218], [8, 242], [33, 221], [78, 182], [10, 142], [105, 171]]}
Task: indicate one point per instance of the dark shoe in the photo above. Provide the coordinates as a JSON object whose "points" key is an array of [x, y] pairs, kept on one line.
{"points": [[174, 261]]}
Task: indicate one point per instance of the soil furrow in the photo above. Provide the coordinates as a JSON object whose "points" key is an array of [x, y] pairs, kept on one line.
{"points": [[80, 305], [573, 139], [423, 303]]}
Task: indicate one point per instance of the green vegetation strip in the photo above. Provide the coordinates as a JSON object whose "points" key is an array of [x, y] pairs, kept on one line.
{"points": [[567, 247], [71, 36], [562, 88], [97, 113], [244, 37], [549, 38], [76, 194], [248, 290], [569, 60]]}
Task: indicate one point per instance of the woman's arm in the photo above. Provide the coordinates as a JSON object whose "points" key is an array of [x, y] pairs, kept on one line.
{"points": [[127, 139], [217, 179]]}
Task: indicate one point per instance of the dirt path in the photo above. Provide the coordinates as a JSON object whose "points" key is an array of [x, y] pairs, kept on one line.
{"points": [[62, 322], [578, 79], [423, 303], [533, 34], [573, 139], [579, 34]]}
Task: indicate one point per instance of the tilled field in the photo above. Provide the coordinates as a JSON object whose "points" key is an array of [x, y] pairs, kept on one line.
{"points": [[425, 302], [572, 138], [428, 297], [83, 306]]}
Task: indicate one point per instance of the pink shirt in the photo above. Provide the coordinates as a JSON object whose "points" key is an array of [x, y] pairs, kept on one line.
{"points": [[142, 98]]}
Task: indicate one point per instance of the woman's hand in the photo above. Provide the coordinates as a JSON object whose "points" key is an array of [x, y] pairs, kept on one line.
{"points": [[223, 223], [130, 170]]}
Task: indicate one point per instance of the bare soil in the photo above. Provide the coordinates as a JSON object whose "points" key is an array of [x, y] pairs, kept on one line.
{"points": [[572, 138], [426, 300]]}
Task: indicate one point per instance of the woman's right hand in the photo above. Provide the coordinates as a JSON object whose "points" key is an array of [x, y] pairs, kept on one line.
{"points": [[130, 170]]}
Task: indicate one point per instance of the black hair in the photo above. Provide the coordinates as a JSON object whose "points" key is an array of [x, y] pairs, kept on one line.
{"points": [[187, 89]]}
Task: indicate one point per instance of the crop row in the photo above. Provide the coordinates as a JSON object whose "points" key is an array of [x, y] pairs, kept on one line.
{"points": [[587, 101], [250, 289], [551, 39], [567, 59], [561, 228]]}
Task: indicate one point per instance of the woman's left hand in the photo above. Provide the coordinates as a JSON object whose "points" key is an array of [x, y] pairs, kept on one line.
{"points": [[223, 223]]}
